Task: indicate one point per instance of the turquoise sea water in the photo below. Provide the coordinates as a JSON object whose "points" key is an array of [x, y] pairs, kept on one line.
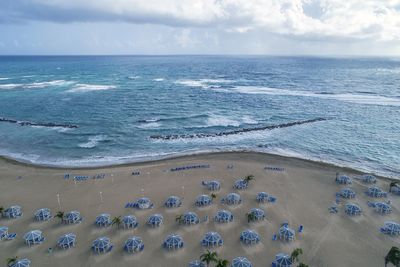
{"points": [[118, 103]]}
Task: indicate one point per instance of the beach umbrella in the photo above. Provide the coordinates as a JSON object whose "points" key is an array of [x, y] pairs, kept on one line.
{"points": [[103, 220], [383, 208], [212, 185], [173, 202], [257, 214], [347, 193], [249, 237], [240, 184], [129, 221], [3, 232], [34, 237], [43, 214], [134, 244], [196, 263], [12, 212], [262, 197], [143, 203], [282, 260], [223, 216], [173, 241], [212, 239], [286, 233], [232, 199], [343, 179], [190, 218], [391, 228], [241, 262], [375, 191], [368, 178], [203, 200], [21, 263], [352, 209], [155, 220], [67, 241], [102, 245], [72, 217]]}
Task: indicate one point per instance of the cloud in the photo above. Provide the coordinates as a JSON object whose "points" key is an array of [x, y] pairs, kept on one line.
{"points": [[310, 19]]}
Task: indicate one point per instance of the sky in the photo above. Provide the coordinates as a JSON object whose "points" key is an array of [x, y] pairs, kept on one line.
{"points": [[270, 27]]}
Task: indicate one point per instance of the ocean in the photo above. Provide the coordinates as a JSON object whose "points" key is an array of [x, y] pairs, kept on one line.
{"points": [[100, 110]]}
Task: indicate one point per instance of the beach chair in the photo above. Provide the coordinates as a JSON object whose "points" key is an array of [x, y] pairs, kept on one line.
{"points": [[110, 248], [11, 236], [301, 228], [285, 223], [272, 199], [274, 237], [205, 219]]}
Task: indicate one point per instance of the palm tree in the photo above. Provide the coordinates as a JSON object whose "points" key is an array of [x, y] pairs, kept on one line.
{"points": [[11, 261], [295, 254], [393, 257], [251, 217], [116, 221], [248, 178], [1, 211], [302, 265], [213, 196], [209, 257], [222, 263], [60, 215], [392, 184], [178, 218]]}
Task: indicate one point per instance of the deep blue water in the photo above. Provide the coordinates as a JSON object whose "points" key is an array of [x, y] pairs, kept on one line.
{"points": [[119, 102]]}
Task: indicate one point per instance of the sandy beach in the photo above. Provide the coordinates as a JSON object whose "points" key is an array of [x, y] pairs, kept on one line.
{"points": [[304, 190]]}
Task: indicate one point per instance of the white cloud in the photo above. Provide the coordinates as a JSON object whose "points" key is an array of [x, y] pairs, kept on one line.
{"points": [[341, 19]]}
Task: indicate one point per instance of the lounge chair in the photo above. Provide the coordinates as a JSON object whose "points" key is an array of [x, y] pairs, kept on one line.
{"points": [[11, 236]]}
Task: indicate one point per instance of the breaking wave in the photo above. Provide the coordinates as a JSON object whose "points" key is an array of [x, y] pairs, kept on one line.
{"points": [[368, 99], [81, 87]]}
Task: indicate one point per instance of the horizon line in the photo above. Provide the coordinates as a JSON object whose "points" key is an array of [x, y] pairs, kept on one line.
{"points": [[201, 55]]}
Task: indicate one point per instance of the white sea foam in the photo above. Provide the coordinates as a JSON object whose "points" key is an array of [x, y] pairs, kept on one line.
{"points": [[47, 84], [93, 141], [389, 71], [347, 97], [158, 79], [204, 83], [81, 87], [9, 86], [4, 78], [149, 125], [35, 85], [133, 77], [217, 120]]}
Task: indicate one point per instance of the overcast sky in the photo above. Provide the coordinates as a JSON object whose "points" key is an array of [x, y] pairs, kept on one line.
{"points": [[278, 27]]}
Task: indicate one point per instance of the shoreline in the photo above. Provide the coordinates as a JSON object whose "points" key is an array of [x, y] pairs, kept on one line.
{"points": [[189, 156]]}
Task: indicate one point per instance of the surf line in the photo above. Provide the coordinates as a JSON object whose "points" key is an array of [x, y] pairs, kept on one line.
{"points": [[30, 123], [233, 132]]}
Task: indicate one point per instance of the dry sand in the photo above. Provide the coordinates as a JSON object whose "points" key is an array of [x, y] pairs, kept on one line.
{"points": [[304, 190]]}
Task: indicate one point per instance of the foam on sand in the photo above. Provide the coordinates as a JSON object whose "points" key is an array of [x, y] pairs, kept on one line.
{"points": [[82, 87]]}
